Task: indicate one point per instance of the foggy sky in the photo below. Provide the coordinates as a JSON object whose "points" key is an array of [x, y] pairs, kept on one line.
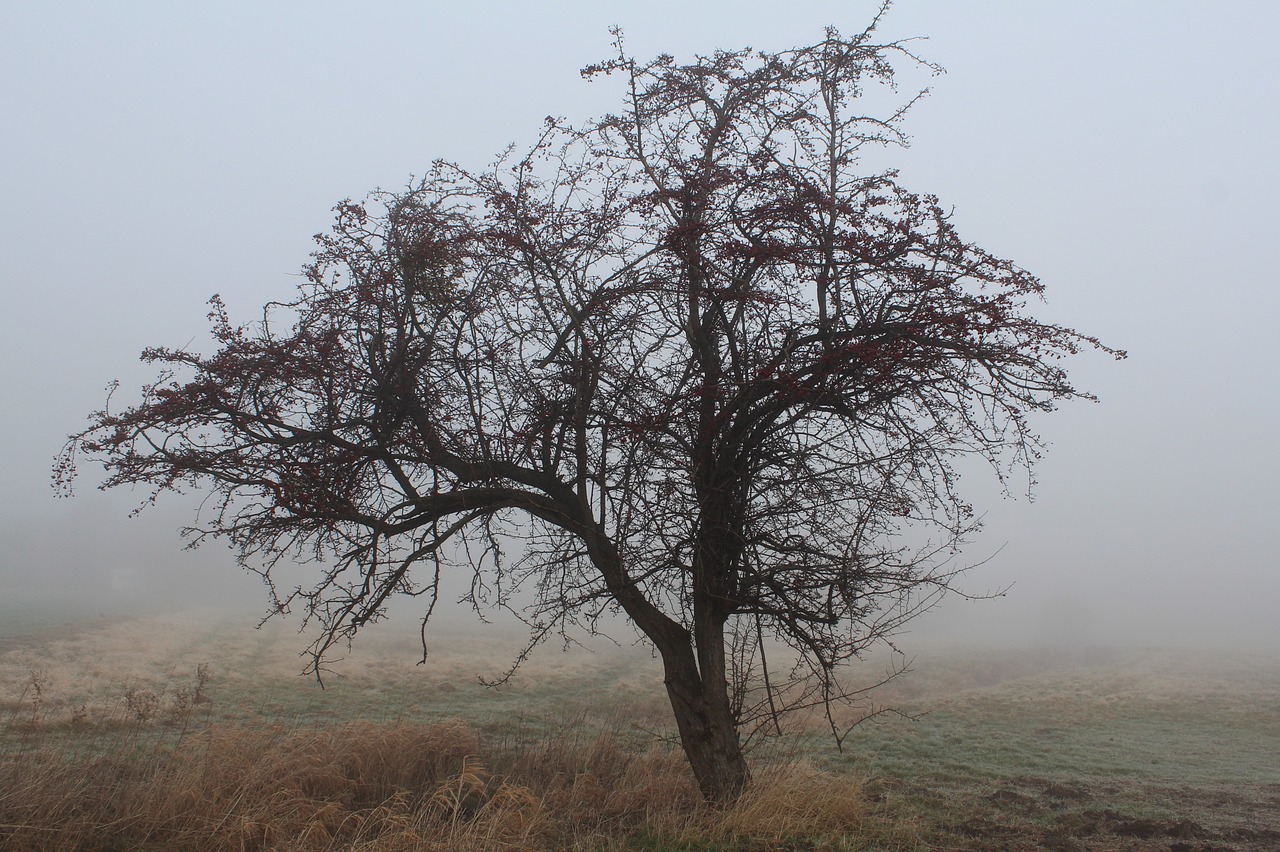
{"points": [[153, 154]]}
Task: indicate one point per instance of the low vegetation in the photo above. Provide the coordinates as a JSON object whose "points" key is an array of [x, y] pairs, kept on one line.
{"points": [[392, 786], [180, 733]]}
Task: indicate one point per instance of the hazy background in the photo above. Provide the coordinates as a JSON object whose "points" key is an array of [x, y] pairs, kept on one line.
{"points": [[152, 154]]}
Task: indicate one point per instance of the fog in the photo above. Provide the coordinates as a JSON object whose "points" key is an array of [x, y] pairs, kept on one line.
{"points": [[155, 154]]}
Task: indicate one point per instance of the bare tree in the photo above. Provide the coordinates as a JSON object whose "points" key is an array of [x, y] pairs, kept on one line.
{"points": [[700, 366]]}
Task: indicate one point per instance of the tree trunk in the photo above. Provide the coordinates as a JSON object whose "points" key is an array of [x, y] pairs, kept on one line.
{"points": [[695, 675], [707, 730]]}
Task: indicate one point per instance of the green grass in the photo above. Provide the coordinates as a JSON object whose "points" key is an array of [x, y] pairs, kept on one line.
{"points": [[1190, 745]]}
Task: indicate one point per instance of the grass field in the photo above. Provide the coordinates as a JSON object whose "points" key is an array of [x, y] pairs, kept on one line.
{"points": [[194, 731]]}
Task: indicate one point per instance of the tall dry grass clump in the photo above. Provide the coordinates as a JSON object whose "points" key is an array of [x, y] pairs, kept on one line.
{"points": [[389, 787], [792, 801], [260, 787]]}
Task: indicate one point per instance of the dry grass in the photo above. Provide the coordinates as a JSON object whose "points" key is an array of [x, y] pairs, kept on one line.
{"points": [[122, 737], [390, 786], [118, 735]]}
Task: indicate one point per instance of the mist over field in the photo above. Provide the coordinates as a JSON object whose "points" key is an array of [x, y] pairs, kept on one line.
{"points": [[1107, 676], [156, 155], [997, 749]]}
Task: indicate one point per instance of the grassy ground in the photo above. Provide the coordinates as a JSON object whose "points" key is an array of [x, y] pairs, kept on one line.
{"points": [[1136, 750], [194, 731]]}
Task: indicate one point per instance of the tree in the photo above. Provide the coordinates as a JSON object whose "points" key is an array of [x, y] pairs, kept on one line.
{"points": [[686, 362]]}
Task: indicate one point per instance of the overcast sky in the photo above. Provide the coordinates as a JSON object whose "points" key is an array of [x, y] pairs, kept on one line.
{"points": [[153, 154]]}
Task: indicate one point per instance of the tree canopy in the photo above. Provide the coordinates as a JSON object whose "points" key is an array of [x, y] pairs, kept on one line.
{"points": [[689, 362]]}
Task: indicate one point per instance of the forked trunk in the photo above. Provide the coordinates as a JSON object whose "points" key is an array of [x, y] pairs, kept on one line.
{"points": [[707, 730]]}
